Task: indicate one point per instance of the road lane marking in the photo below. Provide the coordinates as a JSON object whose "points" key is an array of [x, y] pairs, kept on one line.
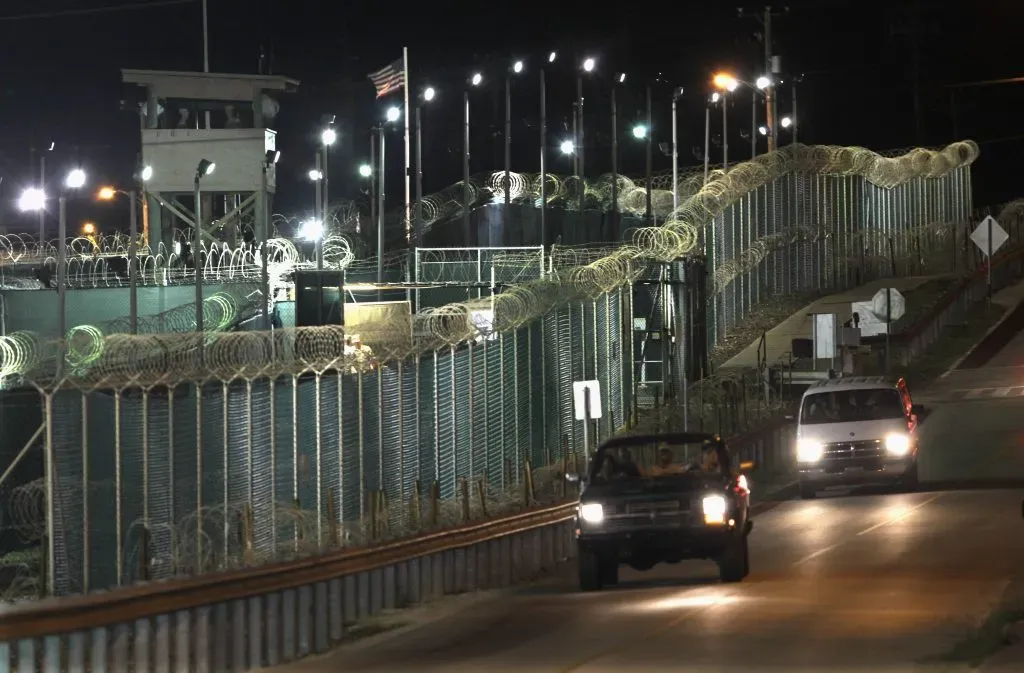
{"points": [[1002, 392], [902, 516], [825, 550], [814, 555], [975, 393]]}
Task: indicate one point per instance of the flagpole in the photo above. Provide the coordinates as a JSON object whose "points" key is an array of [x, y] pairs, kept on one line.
{"points": [[408, 167]]}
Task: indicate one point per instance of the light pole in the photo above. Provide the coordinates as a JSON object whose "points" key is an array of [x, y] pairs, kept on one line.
{"points": [[642, 132], [714, 98], [543, 152], [108, 194], [327, 138], [269, 163], [428, 95], [615, 157], [676, 94], [203, 169], [726, 84], [392, 115], [587, 66], [514, 69], [74, 181], [467, 193]]}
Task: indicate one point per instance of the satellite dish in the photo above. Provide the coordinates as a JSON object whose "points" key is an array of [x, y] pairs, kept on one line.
{"points": [[271, 107]]}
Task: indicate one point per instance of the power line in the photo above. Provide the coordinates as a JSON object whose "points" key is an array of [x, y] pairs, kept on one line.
{"points": [[95, 10]]}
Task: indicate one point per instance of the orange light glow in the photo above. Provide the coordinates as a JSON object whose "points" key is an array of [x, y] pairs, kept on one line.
{"points": [[88, 228], [106, 193], [725, 82]]}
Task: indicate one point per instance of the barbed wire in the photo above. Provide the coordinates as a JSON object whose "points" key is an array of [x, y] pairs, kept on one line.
{"points": [[157, 358]]}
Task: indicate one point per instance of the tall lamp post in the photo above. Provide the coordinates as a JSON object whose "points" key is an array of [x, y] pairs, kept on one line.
{"points": [[327, 138], [270, 160], [643, 132], [109, 194], [467, 193], [725, 84], [417, 242], [676, 95], [543, 152], [391, 116], [203, 169], [615, 157], [587, 66]]}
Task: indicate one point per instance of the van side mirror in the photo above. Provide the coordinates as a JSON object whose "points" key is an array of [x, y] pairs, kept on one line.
{"points": [[746, 466]]}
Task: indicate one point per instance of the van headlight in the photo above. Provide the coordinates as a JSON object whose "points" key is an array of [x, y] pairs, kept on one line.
{"points": [[592, 512], [714, 509], [809, 450], [897, 444]]}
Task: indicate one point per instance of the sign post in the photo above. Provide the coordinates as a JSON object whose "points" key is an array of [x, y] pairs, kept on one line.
{"points": [[888, 304], [989, 237], [586, 397]]}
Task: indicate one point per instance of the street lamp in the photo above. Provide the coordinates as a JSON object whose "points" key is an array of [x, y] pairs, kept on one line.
{"points": [[589, 64], [393, 114], [203, 169], [311, 230], [517, 67], [786, 122], [146, 173], [428, 95], [316, 174], [88, 228], [328, 136], [639, 131], [106, 194], [514, 69], [567, 147], [552, 56], [75, 179], [723, 81], [32, 199], [763, 82], [365, 170], [467, 192]]}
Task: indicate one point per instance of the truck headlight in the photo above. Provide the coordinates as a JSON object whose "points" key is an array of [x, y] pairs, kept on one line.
{"points": [[808, 450], [592, 512], [897, 444], [714, 509]]}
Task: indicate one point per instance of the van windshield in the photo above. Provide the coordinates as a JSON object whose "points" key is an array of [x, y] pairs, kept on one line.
{"points": [[847, 406]]}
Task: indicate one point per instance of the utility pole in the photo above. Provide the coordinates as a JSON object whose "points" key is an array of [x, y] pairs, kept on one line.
{"points": [[769, 91], [772, 68]]}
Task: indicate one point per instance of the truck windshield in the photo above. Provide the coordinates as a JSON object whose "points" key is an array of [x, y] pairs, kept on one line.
{"points": [[847, 406], [657, 460]]}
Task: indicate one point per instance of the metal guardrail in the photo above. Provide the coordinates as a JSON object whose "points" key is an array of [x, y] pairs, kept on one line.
{"points": [[270, 615]]}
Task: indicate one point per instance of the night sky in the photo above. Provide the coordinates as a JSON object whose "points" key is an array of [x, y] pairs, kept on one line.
{"points": [[60, 62]]}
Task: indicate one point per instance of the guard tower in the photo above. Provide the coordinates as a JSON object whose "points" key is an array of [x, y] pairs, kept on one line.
{"points": [[190, 116]]}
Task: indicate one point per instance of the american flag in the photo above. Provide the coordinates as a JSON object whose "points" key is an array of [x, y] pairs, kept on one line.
{"points": [[389, 78]]}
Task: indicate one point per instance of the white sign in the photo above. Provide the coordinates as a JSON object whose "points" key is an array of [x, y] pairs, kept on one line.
{"points": [[824, 336], [892, 308], [870, 325], [580, 398], [981, 236]]}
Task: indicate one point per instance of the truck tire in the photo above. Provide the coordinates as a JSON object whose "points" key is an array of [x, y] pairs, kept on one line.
{"points": [[590, 570], [734, 564]]}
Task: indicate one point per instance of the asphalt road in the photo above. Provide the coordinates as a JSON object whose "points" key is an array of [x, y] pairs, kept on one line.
{"points": [[863, 580]]}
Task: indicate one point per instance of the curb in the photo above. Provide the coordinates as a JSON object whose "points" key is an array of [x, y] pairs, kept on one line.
{"points": [[993, 328]]}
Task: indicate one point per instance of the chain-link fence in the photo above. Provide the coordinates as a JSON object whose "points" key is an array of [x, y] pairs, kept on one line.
{"points": [[186, 453]]}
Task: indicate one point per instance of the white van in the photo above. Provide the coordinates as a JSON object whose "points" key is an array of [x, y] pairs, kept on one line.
{"points": [[856, 430]]}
